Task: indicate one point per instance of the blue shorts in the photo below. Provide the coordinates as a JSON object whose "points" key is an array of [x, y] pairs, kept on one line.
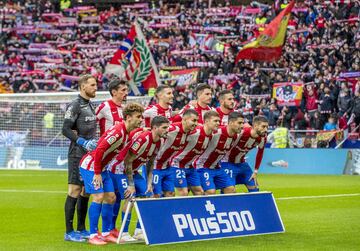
{"points": [[121, 183], [88, 179], [185, 177], [214, 179], [164, 180], [239, 173]]}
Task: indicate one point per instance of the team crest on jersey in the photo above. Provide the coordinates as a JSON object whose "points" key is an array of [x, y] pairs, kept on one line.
{"points": [[135, 146], [68, 113], [111, 140]]}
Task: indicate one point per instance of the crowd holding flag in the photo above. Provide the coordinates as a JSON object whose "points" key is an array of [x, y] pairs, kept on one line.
{"points": [[268, 45], [289, 94], [181, 78], [133, 62]]}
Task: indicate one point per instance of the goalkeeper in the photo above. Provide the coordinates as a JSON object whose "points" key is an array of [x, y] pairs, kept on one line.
{"points": [[80, 127]]}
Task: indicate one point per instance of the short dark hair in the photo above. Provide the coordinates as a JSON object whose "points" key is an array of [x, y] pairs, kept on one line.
{"points": [[84, 78], [201, 87], [235, 116], [131, 108], [115, 84], [260, 119], [161, 88], [158, 121], [223, 93], [189, 112], [210, 114]]}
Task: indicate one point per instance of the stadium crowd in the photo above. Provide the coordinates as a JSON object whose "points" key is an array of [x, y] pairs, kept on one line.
{"points": [[46, 49]]}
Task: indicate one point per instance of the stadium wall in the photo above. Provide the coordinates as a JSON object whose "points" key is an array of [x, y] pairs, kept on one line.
{"points": [[308, 161], [298, 161]]}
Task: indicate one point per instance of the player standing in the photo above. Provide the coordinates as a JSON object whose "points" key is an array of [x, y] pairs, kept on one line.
{"points": [[163, 174], [227, 105], [80, 127], [201, 105], [211, 175], [197, 142], [96, 178], [109, 112], [165, 97], [234, 162]]}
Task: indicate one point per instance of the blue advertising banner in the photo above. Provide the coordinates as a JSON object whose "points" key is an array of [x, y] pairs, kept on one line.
{"points": [[184, 219], [34, 157], [276, 161], [301, 161]]}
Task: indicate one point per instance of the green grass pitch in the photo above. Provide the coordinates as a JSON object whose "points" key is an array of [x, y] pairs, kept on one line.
{"points": [[32, 215]]}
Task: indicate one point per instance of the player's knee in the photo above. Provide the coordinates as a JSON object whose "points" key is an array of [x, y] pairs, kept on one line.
{"points": [[183, 192], [252, 189], [110, 198], [169, 194], [197, 191], [210, 192], [74, 191], [230, 189], [157, 195], [98, 198]]}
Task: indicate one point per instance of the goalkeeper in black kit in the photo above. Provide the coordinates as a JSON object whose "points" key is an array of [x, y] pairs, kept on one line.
{"points": [[80, 127]]}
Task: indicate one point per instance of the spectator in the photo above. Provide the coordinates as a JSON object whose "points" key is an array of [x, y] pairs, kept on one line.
{"points": [[315, 121], [272, 115], [285, 117], [354, 110], [310, 99], [331, 124], [318, 49], [344, 99], [326, 105]]}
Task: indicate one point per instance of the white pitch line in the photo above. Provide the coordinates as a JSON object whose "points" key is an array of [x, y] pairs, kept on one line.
{"points": [[319, 196], [280, 198], [23, 175], [29, 191]]}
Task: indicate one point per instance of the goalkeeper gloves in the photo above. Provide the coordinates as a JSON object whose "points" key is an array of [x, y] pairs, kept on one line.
{"points": [[89, 145]]}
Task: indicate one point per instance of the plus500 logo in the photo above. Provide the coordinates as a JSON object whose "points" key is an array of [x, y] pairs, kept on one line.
{"points": [[223, 222]]}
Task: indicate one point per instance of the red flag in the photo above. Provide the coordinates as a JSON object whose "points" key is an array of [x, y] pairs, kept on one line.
{"points": [[268, 45]]}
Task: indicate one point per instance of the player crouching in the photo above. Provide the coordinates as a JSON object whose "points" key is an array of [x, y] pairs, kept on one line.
{"points": [[207, 164], [196, 143], [234, 162], [141, 150], [96, 178]]}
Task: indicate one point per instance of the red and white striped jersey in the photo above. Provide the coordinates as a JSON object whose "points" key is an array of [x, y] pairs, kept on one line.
{"points": [[175, 141], [108, 146], [220, 143], [224, 117], [243, 145], [196, 143], [142, 146], [201, 111], [155, 110], [108, 114]]}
